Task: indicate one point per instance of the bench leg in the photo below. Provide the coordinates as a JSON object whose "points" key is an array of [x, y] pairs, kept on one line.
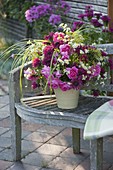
{"points": [[16, 136], [96, 154], [76, 140]]}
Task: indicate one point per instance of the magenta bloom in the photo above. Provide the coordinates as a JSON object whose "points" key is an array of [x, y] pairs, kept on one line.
{"points": [[98, 15], [96, 23], [65, 49], [57, 74], [89, 14], [72, 72], [36, 62], [81, 16], [34, 85], [49, 37], [46, 71], [95, 92], [77, 25], [48, 52], [105, 18], [111, 30], [64, 86], [58, 37], [96, 70], [65, 56], [55, 83]]}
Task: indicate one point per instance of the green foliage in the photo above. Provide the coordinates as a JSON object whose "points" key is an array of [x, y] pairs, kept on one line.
{"points": [[14, 8], [93, 35]]}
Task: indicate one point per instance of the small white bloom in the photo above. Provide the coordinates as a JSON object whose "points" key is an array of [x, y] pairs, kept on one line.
{"points": [[74, 45], [86, 51], [83, 66], [61, 61], [81, 52], [66, 61], [84, 77], [88, 72], [99, 63]]}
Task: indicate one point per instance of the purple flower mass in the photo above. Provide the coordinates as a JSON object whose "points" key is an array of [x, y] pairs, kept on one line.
{"points": [[37, 12], [55, 19], [46, 10], [64, 6], [95, 26]]}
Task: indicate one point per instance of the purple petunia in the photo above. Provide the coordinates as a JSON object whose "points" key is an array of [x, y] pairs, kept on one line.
{"points": [[96, 70], [46, 71], [34, 85], [98, 15], [36, 62], [96, 23], [64, 86], [72, 72], [55, 83], [81, 16], [77, 25], [105, 18], [64, 49], [48, 52]]}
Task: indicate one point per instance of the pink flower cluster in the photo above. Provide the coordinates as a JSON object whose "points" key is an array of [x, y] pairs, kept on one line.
{"points": [[67, 65]]}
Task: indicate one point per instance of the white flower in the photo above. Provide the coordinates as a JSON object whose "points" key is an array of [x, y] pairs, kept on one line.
{"points": [[86, 51], [83, 66], [66, 61], [88, 72], [81, 52], [27, 73], [61, 61], [84, 77]]}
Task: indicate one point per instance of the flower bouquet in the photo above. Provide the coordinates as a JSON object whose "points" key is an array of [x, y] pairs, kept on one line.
{"points": [[63, 62]]}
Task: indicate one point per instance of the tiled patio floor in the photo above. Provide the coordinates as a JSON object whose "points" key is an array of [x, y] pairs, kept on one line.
{"points": [[44, 147]]}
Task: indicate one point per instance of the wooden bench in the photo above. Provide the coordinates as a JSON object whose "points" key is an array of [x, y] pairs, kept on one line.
{"points": [[43, 110]]}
